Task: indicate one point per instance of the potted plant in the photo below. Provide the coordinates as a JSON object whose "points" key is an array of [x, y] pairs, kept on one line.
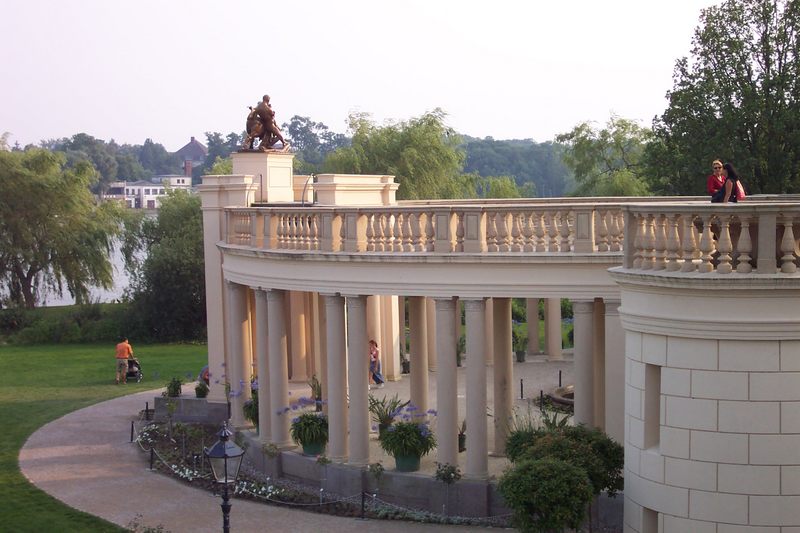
{"points": [[310, 430], [316, 391], [462, 436], [405, 364], [384, 410], [250, 409], [461, 349], [407, 442], [173, 388], [520, 345], [201, 389]]}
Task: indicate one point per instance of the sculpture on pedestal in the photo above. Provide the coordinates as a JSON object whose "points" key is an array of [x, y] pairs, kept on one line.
{"points": [[261, 125]]}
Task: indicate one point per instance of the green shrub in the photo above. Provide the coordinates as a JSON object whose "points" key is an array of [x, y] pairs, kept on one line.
{"points": [[201, 389], [519, 440], [610, 453], [15, 319], [250, 408], [173, 388], [310, 428], [555, 445], [546, 495]]}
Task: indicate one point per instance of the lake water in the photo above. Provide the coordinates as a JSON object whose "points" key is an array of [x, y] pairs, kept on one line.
{"points": [[121, 281]]}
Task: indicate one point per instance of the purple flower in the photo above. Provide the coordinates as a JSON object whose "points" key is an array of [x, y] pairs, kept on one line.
{"points": [[285, 409], [432, 412], [295, 420], [279, 412], [374, 428], [391, 428]]}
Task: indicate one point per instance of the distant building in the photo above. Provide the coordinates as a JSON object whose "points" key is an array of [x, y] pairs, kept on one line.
{"points": [[175, 181], [192, 154], [146, 194]]}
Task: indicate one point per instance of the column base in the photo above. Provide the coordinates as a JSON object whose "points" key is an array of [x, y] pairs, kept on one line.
{"points": [[539, 358]]}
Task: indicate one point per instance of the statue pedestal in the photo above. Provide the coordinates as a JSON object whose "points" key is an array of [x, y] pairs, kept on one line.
{"points": [[271, 171]]}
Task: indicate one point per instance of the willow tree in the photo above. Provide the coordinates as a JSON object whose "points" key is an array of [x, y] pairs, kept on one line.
{"points": [[737, 97], [422, 152], [53, 234]]}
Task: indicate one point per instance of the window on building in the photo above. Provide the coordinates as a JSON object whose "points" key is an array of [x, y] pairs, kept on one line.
{"points": [[652, 406]]}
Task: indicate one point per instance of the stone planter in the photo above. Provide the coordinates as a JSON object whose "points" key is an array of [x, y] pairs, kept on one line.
{"points": [[407, 463], [198, 410], [313, 448], [521, 356]]}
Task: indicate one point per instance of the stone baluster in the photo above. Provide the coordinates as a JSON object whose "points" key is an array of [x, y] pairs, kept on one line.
{"points": [[616, 231], [408, 235], [517, 233], [706, 246], [638, 241], [660, 259], [380, 232], [314, 230], [724, 245], [673, 244], [541, 232], [503, 232], [430, 233], [281, 231], [602, 231], [563, 230], [788, 265], [459, 232], [307, 232], [397, 242], [552, 220], [649, 243], [291, 221], [689, 245], [528, 232], [744, 247], [371, 246], [343, 232], [491, 232]]}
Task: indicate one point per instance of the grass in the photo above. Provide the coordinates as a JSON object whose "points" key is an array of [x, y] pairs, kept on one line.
{"points": [[41, 383]]}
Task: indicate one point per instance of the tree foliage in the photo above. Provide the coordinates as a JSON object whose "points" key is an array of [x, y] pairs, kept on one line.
{"points": [[169, 285], [422, 152], [607, 161], [52, 232], [311, 141], [737, 98]]}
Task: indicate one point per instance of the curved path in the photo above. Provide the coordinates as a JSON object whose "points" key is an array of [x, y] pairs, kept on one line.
{"points": [[85, 460]]}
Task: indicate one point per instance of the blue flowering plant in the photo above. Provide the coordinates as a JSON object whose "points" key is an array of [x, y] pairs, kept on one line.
{"points": [[411, 436], [310, 428]]}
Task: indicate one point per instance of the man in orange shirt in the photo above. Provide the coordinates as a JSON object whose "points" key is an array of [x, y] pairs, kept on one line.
{"points": [[124, 352]]}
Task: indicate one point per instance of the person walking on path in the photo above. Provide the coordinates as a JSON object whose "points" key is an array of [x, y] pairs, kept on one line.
{"points": [[375, 364], [124, 352]]}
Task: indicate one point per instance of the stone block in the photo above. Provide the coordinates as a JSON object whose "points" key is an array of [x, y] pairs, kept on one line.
{"points": [[652, 465], [632, 513], [790, 417], [775, 449], [635, 377], [674, 524], [690, 413], [790, 480], [633, 402], [719, 447], [718, 507], [654, 349], [632, 459], [749, 356], [657, 496], [692, 353], [775, 386], [774, 510], [749, 479], [790, 356], [674, 442], [690, 474], [719, 385], [635, 432], [749, 417], [676, 382], [633, 345], [731, 528]]}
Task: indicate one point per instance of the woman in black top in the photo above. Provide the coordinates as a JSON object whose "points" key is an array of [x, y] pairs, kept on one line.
{"points": [[731, 184]]}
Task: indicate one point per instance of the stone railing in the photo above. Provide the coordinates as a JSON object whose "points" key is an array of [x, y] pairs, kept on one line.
{"points": [[529, 227], [711, 238]]}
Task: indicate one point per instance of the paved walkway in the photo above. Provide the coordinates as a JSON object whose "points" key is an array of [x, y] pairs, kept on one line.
{"points": [[85, 460]]}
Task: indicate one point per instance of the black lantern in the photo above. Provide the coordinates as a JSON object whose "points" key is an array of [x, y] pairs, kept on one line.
{"points": [[225, 458]]}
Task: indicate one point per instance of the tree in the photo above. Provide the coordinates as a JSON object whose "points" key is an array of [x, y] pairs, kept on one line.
{"points": [[312, 141], [607, 161], [83, 146], [155, 159], [169, 299], [422, 152], [497, 187], [52, 233], [736, 98]]}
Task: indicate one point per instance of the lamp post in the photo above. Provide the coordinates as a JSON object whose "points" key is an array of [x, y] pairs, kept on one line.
{"points": [[225, 456]]}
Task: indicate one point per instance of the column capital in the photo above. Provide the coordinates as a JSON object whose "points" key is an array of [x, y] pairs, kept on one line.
{"points": [[583, 306], [445, 304], [474, 304], [612, 307], [274, 294], [356, 301]]}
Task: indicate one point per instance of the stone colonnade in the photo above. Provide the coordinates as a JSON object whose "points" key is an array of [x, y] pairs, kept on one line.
{"points": [[296, 335]]}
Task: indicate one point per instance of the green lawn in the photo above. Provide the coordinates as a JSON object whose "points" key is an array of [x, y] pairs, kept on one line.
{"points": [[41, 383]]}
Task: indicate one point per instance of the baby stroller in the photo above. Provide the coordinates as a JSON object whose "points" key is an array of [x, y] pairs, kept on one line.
{"points": [[134, 370]]}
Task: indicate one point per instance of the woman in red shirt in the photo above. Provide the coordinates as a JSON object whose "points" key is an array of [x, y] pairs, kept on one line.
{"points": [[716, 181]]}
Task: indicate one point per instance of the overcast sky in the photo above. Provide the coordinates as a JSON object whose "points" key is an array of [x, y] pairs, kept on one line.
{"points": [[173, 69]]}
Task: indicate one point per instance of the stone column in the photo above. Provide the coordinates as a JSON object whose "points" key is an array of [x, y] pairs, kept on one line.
{"points": [[614, 371], [312, 364], [298, 332], [552, 329], [534, 353], [278, 368], [477, 458], [390, 352], [401, 323], [584, 359], [238, 339], [430, 331], [358, 362], [446, 383], [503, 373], [599, 364], [337, 377], [322, 337], [418, 352], [488, 328], [262, 360]]}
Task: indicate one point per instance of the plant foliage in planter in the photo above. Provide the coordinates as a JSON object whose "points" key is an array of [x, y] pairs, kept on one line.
{"points": [[310, 428], [201, 390], [384, 410], [407, 438], [546, 495], [173, 388], [250, 408]]}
